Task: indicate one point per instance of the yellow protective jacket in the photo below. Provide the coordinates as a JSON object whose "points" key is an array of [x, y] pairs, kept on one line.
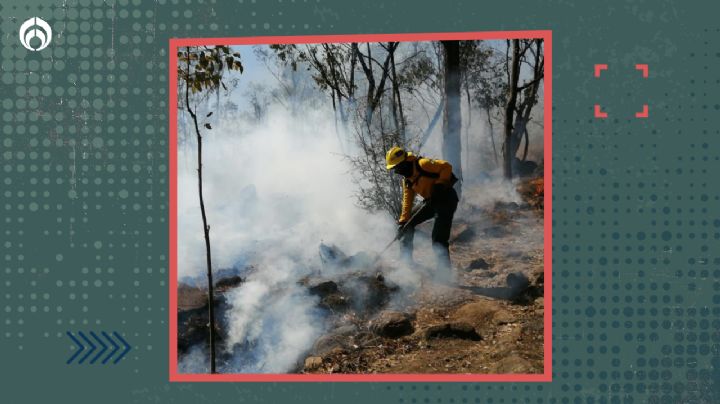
{"points": [[419, 184]]}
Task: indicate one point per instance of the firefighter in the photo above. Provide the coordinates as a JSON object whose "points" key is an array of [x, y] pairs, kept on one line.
{"points": [[433, 180]]}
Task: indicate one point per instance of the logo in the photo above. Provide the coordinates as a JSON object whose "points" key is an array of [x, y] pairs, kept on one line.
{"points": [[35, 28]]}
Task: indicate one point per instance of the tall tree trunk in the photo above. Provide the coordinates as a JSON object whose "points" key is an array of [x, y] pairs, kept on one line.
{"points": [[375, 92], [396, 120], [400, 120], [529, 92], [508, 149], [452, 123], [492, 136], [206, 227], [350, 87], [371, 86]]}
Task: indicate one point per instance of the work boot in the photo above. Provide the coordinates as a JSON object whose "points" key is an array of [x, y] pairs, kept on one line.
{"points": [[406, 246]]}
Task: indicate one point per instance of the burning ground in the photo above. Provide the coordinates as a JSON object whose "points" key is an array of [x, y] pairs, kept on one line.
{"points": [[337, 313]]}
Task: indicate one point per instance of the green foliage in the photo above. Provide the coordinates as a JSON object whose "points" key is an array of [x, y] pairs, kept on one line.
{"points": [[483, 72], [419, 69], [331, 64], [202, 68]]}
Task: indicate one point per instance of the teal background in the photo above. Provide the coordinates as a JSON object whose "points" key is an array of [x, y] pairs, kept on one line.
{"points": [[636, 285]]}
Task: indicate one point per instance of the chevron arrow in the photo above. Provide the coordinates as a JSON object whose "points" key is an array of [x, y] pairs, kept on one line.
{"points": [[127, 347], [92, 347], [79, 345], [115, 347], [102, 344]]}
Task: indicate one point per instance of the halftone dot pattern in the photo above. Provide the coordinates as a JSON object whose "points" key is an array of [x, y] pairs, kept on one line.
{"points": [[90, 176], [636, 219]]}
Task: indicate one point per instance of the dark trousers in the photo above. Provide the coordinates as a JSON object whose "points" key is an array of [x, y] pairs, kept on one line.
{"points": [[443, 210]]}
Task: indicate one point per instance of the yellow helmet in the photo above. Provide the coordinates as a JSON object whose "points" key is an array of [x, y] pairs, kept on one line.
{"points": [[395, 156]]}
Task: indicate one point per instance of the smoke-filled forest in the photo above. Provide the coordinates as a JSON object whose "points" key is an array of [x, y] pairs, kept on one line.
{"points": [[300, 248]]}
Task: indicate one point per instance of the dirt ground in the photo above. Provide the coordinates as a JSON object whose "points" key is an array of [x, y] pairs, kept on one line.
{"points": [[493, 247]]}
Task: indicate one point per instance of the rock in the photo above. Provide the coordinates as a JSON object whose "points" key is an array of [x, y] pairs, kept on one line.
{"points": [[334, 257], [191, 331], [323, 289], [191, 297], [522, 291], [503, 317], [193, 325], [327, 343], [462, 232], [477, 313], [392, 324], [228, 283], [313, 362], [369, 293], [458, 330], [478, 263], [513, 335], [335, 302], [338, 340], [517, 281], [331, 254], [514, 364], [330, 296]]}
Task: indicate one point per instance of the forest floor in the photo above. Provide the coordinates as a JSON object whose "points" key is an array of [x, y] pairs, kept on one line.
{"points": [[488, 319]]}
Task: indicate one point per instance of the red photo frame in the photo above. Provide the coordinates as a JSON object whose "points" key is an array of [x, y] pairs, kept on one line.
{"points": [[546, 376]]}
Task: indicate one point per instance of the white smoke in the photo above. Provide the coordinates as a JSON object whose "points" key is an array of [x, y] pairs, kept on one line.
{"points": [[273, 193], [274, 314], [194, 361], [281, 188]]}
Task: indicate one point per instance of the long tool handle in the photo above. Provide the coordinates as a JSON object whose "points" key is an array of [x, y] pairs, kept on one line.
{"points": [[397, 236]]}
